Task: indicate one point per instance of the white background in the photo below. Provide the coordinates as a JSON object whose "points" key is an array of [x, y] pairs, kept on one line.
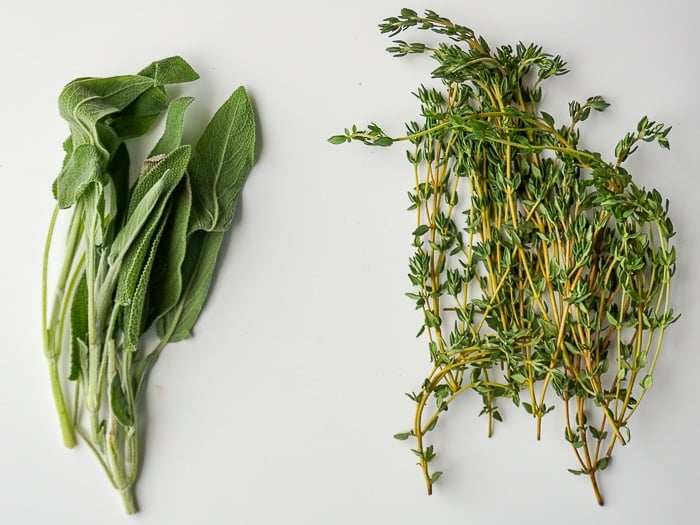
{"points": [[281, 409]]}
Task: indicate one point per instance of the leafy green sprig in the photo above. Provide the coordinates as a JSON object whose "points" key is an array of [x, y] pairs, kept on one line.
{"points": [[537, 263], [139, 254]]}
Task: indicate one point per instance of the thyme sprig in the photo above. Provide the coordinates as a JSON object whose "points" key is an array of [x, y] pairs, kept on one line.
{"points": [[538, 264]]}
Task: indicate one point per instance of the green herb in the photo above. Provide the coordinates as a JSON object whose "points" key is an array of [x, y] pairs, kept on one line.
{"points": [[138, 254], [538, 264]]}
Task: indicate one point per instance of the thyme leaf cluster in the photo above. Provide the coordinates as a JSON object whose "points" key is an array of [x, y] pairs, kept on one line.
{"points": [[539, 266]]}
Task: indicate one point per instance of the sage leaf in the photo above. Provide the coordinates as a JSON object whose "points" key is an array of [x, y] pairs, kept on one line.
{"points": [[84, 166], [162, 179], [197, 269], [173, 126], [85, 101], [171, 70], [220, 162], [134, 261], [141, 369], [78, 328], [173, 164], [118, 170], [166, 281], [135, 222], [118, 402], [139, 116], [135, 322]]}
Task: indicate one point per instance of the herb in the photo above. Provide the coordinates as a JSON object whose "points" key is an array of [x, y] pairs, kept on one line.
{"points": [[138, 254], [538, 264]]}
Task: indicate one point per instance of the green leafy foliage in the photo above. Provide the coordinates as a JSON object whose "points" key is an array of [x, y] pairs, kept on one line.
{"points": [[537, 265], [137, 252]]}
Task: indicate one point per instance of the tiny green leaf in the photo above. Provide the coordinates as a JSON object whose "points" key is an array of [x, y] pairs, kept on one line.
{"points": [[383, 141], [431, 320], [421, 230], [603, 463]]}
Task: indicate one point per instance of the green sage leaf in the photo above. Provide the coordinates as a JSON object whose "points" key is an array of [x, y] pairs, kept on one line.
{"points": [[166, 281], [141, 369], [78, 327], [118, 171], [134, 322], [135, 259], [173, 127], [140, 116], [171, 70], [220, 163], [154, 184], [119, 404], [197, 269], [84, 166], [173, 164], [84, 102]]}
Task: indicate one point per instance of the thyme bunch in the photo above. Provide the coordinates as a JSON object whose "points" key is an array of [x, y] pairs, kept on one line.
{"points": [[539, 265]]}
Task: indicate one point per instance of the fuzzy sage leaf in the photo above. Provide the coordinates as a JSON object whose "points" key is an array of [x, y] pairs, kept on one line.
{"points": [[220, 163]]}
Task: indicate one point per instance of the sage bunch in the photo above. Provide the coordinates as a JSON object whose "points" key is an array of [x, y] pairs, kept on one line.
{"points": [[539, 265], [139, 254]]}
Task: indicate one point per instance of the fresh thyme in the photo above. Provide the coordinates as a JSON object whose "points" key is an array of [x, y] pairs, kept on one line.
{"points": [[138, 254], [538, 264]]}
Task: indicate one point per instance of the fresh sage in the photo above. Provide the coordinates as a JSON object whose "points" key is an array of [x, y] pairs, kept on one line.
{"points": [[139, 254], [539, 265]]}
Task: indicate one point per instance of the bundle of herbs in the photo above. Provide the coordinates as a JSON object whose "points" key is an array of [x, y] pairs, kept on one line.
{"points": [[539, 266], [140, 253]]}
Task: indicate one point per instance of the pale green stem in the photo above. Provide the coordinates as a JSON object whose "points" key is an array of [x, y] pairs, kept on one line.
{"points": [[52, 353]]}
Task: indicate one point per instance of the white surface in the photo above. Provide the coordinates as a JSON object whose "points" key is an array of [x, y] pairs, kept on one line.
{"points": [[282, 407]]}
